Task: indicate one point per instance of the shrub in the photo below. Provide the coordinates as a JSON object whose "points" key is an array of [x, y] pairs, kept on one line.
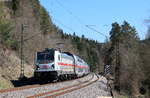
{"points": [[5, 36], [15, 5], [4, 32]]}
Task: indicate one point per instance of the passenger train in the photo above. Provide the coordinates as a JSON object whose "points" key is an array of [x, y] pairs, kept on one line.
{"points": [[55, 65]]}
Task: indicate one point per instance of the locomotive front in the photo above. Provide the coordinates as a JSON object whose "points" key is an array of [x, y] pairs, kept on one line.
{"points": [[44, 64]]}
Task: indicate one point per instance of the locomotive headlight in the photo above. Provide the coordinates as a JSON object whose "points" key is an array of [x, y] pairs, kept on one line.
{"points": [[52, 66]]}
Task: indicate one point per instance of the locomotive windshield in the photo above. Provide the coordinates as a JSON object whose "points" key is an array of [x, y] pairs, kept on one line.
{"points": [[45, 57]]}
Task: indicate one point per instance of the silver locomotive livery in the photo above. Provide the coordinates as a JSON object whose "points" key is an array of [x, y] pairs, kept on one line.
{"points": [[53, 64]]}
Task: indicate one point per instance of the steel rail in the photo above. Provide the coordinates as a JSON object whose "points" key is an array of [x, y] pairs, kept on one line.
{"points": [[33, 86], [65, 89], [70, 90]]}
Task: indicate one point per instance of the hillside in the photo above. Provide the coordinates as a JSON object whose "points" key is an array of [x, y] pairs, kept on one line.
{"points": [[39, 33], [125, 52]]}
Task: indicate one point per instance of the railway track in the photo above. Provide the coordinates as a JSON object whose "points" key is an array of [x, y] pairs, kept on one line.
{"points": [[64, 90], [31, 86]]}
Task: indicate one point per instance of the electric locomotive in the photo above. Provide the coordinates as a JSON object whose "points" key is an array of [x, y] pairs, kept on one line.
{"points": [[53, 64]]}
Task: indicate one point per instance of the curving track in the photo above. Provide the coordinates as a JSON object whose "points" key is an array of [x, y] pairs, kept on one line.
{"points": [[90, 86], [65, 90], [31, 86], [31, 90]]}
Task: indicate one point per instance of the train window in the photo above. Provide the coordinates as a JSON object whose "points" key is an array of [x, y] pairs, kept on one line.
{"points": [[65, 56], [45, 56]]}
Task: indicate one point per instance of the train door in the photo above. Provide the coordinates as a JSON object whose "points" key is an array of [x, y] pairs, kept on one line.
{"points": [[57, 60], [74, 63]]}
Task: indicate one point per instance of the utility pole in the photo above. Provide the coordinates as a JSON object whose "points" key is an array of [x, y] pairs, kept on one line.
{"points": [[22, 76]]}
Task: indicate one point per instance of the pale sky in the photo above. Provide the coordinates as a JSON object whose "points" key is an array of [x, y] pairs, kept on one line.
{"points": [[73, 15]]}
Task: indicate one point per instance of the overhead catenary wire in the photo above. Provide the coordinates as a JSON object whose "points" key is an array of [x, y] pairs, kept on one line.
{"points": [[67, 27], [88, 26], [77, 18], [81, 22], [58, 21]]}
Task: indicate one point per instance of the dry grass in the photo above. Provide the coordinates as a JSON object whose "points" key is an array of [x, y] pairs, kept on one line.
{"points": [[4, 83]]}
